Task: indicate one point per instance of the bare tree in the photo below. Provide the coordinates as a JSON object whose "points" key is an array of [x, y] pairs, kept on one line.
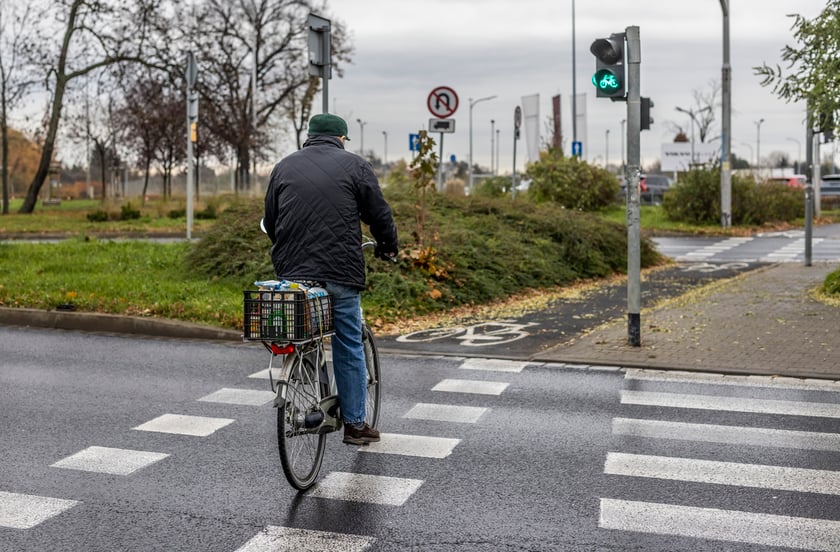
{"points": [[702, 112], [14, 18], [96, 34], [254, 71]]}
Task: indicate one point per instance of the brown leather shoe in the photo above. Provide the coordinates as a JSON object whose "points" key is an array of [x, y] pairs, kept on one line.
{"points": [[353, 436]]}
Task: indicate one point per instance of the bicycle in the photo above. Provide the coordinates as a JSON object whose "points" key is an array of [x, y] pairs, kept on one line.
{"points": [[294, 323]]}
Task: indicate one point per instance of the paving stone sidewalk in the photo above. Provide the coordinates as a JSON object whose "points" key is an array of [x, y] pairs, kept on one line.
{"points": [[763, 322]]}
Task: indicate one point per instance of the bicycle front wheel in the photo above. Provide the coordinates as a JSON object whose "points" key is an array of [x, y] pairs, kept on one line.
{"points": [[301, 447], [374, 383]]}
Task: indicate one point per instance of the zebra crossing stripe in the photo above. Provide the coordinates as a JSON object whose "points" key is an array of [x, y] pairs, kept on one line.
{"points": [[774, 382], [358, 487], [493, 365], [274, 538], [723, 525], [197, 426], [446, 413], [22, 511], [471, 386], [735, 435], [412, 445], [246, 397], [780, 478], [114, 461], [731, 404]]}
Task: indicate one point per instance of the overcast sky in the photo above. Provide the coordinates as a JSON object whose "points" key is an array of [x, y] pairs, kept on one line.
{"points": [[510, 49]]}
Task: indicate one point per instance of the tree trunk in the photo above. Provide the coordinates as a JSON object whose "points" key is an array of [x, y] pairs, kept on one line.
{"points": [[5, 146], [55, 115]]}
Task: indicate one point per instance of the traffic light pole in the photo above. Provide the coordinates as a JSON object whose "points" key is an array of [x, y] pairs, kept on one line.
{"points": [[634, 288]]}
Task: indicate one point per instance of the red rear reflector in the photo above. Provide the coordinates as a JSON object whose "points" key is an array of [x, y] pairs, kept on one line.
{"points": [[285, 350]]}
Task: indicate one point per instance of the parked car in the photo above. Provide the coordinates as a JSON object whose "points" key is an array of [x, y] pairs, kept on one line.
{"points": [[830, 186], [651, 188], [795, 181]]}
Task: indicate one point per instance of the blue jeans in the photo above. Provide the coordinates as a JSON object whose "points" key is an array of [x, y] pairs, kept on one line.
{"points": [[348, 352]]}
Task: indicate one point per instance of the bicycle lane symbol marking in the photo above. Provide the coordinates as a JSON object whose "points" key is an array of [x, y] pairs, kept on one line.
{"points": [[475, 335]]}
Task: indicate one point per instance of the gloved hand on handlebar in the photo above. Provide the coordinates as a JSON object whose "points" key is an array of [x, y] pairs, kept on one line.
{"points": [[386, 253]]}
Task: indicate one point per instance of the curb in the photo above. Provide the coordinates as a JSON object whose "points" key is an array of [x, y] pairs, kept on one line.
{"points": [[113, 323]]}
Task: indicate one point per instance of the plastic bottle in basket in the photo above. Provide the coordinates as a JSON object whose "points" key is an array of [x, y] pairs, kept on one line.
{"points": [[319, 312]]}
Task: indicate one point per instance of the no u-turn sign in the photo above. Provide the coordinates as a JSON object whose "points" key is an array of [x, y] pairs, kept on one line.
{"points": [[442, 102]]}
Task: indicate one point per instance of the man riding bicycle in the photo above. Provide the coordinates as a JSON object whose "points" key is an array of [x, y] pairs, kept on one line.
{"points": [[314, 202]]}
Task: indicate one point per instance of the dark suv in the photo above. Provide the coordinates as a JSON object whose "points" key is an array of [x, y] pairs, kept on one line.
{"points": [[830, 185]]}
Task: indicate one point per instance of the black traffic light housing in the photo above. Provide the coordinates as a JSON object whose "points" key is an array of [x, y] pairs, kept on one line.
{"points": [[646, 119], [609, 78]]}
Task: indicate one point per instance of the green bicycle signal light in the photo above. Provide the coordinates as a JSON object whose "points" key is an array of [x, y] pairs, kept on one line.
{"points": [[609, 66]]}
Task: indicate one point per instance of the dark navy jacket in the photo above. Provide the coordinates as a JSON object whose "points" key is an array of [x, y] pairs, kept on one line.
{"points": [[315, 199]]}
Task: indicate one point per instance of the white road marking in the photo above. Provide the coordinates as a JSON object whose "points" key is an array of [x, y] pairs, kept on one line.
{"points": [[22, 511], [446, 413], [274, 538], [412, 445], [471, 386], [731, 404], [114, 461], [373, 489], [199, 426], [736, 435], [493, 365], [247, 397], [781, 478], [773, 382], [724, 525]]}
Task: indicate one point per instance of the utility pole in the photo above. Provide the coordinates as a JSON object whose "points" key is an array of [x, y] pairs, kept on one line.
{"points": [[726, 123]]}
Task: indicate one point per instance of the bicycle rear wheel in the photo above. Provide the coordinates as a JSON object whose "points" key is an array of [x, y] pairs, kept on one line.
{"points": [[374, 383], [301, 448]]}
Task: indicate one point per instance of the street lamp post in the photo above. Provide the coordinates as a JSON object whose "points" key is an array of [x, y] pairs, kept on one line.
{"points": [[751, 150], [726, 125], [496, 169], [361, 136], [492, 144], [472, 104], [758, 144], [693, 114], [798, 153], [607, 152]]}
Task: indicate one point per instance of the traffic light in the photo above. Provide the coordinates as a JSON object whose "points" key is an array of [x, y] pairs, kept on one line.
{"points": [[646, 119], [609, 67]]}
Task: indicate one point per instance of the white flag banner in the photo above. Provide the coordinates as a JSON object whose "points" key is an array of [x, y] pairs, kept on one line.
{"points": [[531, 118], [676, 156]]}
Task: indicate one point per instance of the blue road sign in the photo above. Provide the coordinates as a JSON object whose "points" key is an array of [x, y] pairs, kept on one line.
{"points": [[413, 142], [452, 158], [577, 148]]}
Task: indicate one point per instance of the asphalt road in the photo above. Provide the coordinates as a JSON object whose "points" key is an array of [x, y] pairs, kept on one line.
{"points": [[478, 454]]}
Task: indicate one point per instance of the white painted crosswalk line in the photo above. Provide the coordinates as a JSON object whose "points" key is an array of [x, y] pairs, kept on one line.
{"points": [[723, 473], [493, 365], [773, 382], [723, 525], [735, 435], [198, 426], [246, 397], [731, 404], [274, 538], [114, 461], [412, 445], [446, 413], [373, 489], [471, 386], [23, 511]]}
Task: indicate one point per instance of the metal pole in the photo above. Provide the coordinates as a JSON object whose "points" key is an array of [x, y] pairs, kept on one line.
{"points": [[607, 152], [361, 136], [798, 153], [440, 166], [634, 119], [758, 145], [574, 80], [385, 158], [726, 122], [472, 103], [496, 170], [623, 122], [513, 177], [492, 144]]}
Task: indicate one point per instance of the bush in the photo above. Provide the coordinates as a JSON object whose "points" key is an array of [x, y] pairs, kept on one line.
{"points": [[493, 186], [127, 212], [98, 216], [481, 249], [571, 182], [695, 199], [831, 285]]}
